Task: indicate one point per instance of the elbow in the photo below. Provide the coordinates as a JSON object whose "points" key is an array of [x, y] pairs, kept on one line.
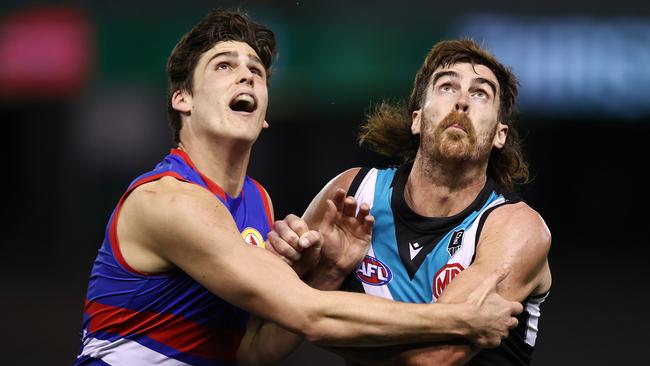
{"points": [[314, 330], [317, 328], [312, 318], [308, 320], [314, 335]]}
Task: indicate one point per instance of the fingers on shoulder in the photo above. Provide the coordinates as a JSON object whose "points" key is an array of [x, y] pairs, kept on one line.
{"points": [[330, 198], [344, 179], [340, 182]]}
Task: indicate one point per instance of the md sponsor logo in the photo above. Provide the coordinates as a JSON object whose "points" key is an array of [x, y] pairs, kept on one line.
{"points": [[444, 276], [373, 272]]}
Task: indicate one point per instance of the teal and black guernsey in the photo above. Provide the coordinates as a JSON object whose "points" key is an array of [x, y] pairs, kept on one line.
{"points": [[412, 258]]}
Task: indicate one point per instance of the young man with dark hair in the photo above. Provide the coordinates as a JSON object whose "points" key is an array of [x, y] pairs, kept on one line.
{"points": [[183, 261], [448, 216]]}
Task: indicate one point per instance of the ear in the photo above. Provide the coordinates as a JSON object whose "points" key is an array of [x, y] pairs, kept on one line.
{"points": [[265, 124], [182, 101], [500, 136], [416, 117]]}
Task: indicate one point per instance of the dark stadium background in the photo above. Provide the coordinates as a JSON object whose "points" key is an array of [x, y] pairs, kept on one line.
{"points": [[75, 142]]}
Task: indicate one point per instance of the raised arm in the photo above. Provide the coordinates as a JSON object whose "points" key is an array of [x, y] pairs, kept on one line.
{"points": [[181, 225]]}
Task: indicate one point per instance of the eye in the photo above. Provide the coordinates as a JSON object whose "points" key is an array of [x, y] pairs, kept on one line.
{"points": [[223, 66], [480, 94], [446, 88], [256, 71]]}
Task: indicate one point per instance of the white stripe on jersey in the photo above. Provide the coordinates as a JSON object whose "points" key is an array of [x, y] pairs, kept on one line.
{"points": [[533, 309], [366, 191], [366, 194], [125, 352]]}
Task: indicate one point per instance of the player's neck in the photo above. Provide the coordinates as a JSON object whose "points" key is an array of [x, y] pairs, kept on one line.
{"points": [[224, 164], [440, 190]]}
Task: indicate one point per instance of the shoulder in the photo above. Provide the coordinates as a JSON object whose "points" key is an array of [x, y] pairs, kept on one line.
{"points": [[521, 218], [318, 206], [167, 202], [341, 181], [517, 236], [169, 191], [516, 230], [159, 214], [344, 179]]}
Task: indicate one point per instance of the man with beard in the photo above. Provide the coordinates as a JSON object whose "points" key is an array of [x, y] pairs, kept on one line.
{"points": [[182, 262], [448, 216]]}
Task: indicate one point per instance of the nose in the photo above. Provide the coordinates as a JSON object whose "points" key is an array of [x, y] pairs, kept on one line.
{"points": [[246, 76], [461, 104]]}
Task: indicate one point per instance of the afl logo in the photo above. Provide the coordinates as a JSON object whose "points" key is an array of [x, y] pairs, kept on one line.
{"points": [[444, 276], [253, 237], [373, 272]]}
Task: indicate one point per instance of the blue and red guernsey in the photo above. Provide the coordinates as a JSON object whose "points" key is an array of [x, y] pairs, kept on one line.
{"points": [[133, 318]]}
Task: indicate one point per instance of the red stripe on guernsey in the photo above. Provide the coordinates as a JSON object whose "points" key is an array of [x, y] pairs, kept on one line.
{"points": [[173, 331], [115, 246], [265, 199], [212, 186]]}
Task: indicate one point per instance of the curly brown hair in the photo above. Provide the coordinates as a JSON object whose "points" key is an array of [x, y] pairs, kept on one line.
{"points": [[218, 26], [387, 129]]}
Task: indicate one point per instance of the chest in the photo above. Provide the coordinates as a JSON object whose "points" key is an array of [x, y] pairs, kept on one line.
{"points": [[414, 263]]}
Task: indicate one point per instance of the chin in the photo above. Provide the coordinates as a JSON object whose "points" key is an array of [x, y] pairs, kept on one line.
{"points": [[457, 150]]}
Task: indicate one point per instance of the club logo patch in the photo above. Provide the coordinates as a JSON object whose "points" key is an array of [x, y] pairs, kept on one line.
{"points": [[253, 237], [373, 272], [455, 242], [444, 276]]}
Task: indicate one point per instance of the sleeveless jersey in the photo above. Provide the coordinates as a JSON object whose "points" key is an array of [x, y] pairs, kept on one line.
{"points": [[413, 258], [133, 318]]}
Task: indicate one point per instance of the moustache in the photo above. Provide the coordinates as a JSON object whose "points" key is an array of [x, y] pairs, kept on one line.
{"points": [[456, 118]]}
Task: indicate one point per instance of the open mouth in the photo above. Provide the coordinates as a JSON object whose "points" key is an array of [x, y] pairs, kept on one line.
{"points": [[243, 102]]}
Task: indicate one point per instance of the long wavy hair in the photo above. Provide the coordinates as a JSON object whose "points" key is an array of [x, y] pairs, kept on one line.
{"points": [[387, 129]]}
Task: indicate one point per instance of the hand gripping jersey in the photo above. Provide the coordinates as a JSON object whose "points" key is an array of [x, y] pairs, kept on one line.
{"points": [[413, 258], [132, 318]]}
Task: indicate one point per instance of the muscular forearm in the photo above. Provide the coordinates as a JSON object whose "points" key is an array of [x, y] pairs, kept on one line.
{"points": [[339, 318], [360, 320]]}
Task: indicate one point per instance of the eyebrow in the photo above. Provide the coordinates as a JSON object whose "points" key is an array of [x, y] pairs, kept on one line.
{"points": [[440, 74], [489, 82], [235, 54], [454, 74]]}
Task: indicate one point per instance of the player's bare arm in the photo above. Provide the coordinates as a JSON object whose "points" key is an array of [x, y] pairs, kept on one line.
{"points": [[315, 212], [345, 235], [342, 249], [185, 226], [266, 343]]}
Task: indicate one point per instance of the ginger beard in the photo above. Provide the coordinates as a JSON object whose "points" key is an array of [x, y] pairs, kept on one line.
{"points": [[454, 139]]}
